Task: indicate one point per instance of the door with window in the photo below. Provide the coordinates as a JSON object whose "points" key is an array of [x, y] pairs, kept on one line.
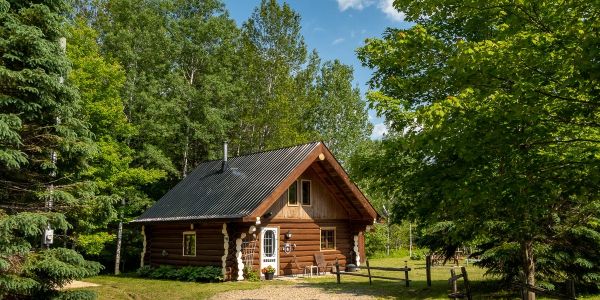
{"points": [[269, 253]]}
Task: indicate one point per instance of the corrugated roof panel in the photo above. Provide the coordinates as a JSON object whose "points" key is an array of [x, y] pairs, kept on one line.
{"points": [[208, 193]]}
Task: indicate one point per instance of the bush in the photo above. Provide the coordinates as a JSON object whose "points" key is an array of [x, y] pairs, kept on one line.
{"points": [[144, 271], [189, 273], [75, 295], [250, 274], [164, 272]]}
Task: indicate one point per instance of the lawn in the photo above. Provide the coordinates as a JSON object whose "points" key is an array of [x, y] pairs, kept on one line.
{"points": [[122, 287]]}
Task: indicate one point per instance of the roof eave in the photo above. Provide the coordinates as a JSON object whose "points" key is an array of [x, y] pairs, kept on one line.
{"points": [[236, 217]]}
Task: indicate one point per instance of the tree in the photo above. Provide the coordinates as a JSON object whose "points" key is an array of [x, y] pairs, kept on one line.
{"points": [[493, 110], [340, 115], [116, 178], [205, 41], [44, 149], [273, 51]]}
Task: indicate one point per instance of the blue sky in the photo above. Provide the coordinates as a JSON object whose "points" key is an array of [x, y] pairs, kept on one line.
{"points": [[336, 28]]}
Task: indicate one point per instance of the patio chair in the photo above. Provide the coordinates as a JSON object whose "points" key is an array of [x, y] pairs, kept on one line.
{"points": [[321, 263], [305, 268]]}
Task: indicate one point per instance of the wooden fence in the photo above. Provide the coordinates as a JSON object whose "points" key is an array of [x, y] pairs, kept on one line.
{"points": [[406, 269]]}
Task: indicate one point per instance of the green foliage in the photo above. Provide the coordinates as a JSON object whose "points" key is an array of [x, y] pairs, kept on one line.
{"points": [[26, 273], [93, 244], [144, 271], [251, 275], [492, 110], [77, 294], [188, 273]]}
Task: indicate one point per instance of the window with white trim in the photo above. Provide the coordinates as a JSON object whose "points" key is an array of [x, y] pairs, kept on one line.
{"points": [[292, 194], [306, 186], [328, 238], [189, 243]]}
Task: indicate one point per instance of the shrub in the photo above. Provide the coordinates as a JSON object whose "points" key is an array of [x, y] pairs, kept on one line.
{"points": [[144, 271], [164, 272], [189, 273], [250, 274], [75, 295]]}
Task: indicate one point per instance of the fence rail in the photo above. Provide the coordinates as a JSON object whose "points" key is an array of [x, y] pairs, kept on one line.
{"points": [[406, 269]]}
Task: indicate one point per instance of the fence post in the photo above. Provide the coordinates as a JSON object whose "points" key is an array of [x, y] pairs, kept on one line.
{"points": [[337, 270], [428, 269], [571, 288], [369, 270], [406, 273], [466, 280], [452, 277]]}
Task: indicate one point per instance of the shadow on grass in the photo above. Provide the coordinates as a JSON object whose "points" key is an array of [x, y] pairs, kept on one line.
{"points": [[417, 290]]}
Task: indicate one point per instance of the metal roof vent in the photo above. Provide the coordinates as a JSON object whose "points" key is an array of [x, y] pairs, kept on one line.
{"points": [[224, 165]]}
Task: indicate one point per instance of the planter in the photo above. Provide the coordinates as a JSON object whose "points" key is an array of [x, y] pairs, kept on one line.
{"points": [[269, 276], [350, 268]]}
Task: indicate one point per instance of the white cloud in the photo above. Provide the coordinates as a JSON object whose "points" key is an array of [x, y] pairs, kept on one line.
{"points": [[387, 7], [379, 130], [338, 41], [355, 4]]}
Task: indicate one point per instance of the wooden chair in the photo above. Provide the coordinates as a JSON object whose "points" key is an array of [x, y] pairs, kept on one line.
{"points": [[321, 263], [304, 268]]}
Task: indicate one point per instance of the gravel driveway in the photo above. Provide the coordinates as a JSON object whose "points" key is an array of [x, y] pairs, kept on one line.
{"points": [[296, 291]]}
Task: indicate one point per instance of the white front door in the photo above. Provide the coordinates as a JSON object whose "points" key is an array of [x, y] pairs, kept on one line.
{"points": [[269, 252]]}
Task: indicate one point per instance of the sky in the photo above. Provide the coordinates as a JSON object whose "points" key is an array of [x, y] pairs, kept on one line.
{"points": [[336, 28]]}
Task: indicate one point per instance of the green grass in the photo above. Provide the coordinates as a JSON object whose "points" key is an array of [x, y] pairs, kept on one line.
{"points": [[121, 287], [388, 289]]}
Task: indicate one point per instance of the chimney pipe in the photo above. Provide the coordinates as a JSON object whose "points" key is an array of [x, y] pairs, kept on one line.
{"points": [[224, 166]]}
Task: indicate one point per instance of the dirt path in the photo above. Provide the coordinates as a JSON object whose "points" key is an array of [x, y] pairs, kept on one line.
{"points": [[297, 291], [78, 284]]}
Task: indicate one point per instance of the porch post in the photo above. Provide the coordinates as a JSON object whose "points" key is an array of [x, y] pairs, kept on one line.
{"points": [[225, 250], [238, 255], [356, 251]]}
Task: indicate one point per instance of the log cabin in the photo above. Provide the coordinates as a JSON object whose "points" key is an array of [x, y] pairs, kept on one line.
{"points": [[274, 208]]}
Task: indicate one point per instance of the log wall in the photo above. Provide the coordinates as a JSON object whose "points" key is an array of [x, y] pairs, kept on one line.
{"points": [[169, 237]]}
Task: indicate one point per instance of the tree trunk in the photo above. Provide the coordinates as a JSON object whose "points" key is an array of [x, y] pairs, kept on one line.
{"points": [[185, 153], [528, 267], [119, 239]]}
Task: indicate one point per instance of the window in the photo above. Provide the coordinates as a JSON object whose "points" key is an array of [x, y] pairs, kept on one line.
{"points": [[269, 243], [189, 243], [293, 194], [328, 238], [305, 192]]}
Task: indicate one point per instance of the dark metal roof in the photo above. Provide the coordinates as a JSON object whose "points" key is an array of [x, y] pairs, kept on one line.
{"points": [[209, 193]]}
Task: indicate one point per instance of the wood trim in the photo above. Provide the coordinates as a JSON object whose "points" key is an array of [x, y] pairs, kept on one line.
{"points": [[288, 195], [183, 243], [268, 202], [321, 238], [344, 201], [342, 173], [310, 159], [310, 192]]}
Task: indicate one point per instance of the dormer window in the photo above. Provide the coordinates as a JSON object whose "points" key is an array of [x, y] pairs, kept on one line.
{"points": [[292, 194], [306, 192]]}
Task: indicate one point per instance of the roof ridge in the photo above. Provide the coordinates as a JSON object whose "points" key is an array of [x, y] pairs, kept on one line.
{"points": [[261, 152]]}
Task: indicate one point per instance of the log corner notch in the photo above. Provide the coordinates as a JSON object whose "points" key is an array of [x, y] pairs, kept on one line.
{"points": [[356, 251], [225, 251], [143, 254], [238, 255]]}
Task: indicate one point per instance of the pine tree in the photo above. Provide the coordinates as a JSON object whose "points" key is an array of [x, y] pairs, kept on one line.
{"points": [[43, 149]]}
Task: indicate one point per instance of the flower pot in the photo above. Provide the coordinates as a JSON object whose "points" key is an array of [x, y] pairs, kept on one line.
{"points": [[269, 276], [350, 268]]}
